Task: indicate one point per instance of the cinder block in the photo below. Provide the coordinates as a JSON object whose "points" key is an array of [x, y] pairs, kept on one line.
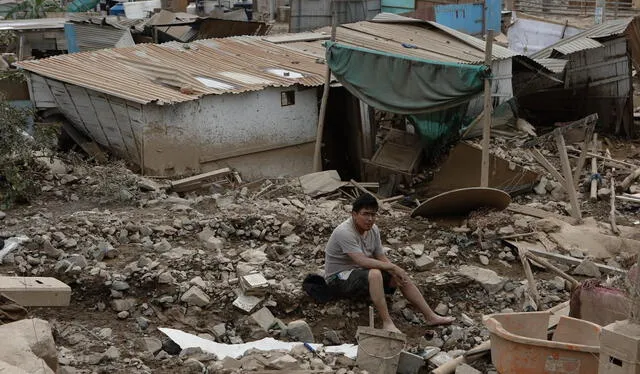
{"points": [[620, 348], [35, 291]]}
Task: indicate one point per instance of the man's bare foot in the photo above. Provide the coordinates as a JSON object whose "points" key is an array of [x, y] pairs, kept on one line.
{"points": [[390, 327], [439, 320]]}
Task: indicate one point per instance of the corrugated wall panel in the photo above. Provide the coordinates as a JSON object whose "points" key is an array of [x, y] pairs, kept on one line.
{"points": [[312, 14]]}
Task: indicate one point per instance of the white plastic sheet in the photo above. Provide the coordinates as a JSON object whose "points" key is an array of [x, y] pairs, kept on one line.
{"points": [[186, 340]]}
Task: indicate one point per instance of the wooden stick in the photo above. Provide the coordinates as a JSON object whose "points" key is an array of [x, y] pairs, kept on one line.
{"points": [[362, 189], [626, 183], [591, 154], [486, 129], [581, 160], [530, 280], [547, 165], [392, 199], [317, 157], [552, 268], [566, 170], [629, 199], [594, 170], [513, 236], [612, 212], [571, 261]]}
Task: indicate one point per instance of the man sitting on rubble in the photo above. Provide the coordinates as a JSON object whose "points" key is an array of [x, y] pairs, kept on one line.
{"points": [[355, 265]]}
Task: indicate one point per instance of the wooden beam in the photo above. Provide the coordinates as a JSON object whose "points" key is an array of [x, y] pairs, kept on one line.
{"points": [[196, 180], [531, 282], [552, 268], [581, 160], [486, 129], [317, 151], [547, 165], [628, 199], [538, 213], [362, 189], [593, 195], [613, 160], [571, 261], [612, 212], [566, 170], [626, 183]]}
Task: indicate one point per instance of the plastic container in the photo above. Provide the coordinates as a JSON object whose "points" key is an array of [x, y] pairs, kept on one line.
{"points": [[117, 10], [519, 344], [379, 350]]}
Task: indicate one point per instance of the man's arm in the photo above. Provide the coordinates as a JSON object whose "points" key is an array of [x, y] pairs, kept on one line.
{"points": [[380, 262]]}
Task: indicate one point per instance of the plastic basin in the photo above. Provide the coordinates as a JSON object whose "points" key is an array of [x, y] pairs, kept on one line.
{"points": [[519, 344]]}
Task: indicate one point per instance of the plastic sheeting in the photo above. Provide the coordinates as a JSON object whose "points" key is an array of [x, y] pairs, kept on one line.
{"points": [[403, 84]]}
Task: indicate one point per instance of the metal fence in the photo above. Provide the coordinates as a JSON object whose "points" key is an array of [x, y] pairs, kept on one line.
{"points": [[612, 9]]}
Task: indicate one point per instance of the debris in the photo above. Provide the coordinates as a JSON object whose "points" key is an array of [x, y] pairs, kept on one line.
{"points": [[626, 183], [202, 180], [462, 201], [594, 302], [35, 291], [32, 347], [424, 263], [320, 183], [538, 213], [254, 284], [488, 279], [587, 268], [247, 303], [11, 244], [195, 296], [466, 369], [409, 363], [264, 318], [568, 260], [300, 331], [531, 282], [593, 195]]}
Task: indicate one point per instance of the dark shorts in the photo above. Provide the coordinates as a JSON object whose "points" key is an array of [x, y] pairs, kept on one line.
{"points": [[358, 283]]}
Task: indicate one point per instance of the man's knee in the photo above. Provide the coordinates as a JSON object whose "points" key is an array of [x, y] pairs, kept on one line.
{"points": [[375, 274]]}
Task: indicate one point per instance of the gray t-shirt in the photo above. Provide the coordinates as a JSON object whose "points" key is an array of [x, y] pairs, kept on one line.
{"points": [[346, 239]]}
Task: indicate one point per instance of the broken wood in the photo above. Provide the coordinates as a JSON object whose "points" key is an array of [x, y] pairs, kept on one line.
{"points": [[196, 181], [566, 170], [588, 121], [362, 189], [547, 165], [488, 108], [594, 170], [531, 282], [571, 261], [628, 199], [612, 212], [626, 183], [90, 147], [392, 199], [604, 158], [513, 236], [552, 268], [581, 160], [538, 213]]}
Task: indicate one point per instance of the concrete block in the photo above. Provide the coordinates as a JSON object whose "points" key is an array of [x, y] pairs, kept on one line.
{"points": [[36, 291], [466, 369], [424, 263], [301, 331], [409, 363], [264, 318]]}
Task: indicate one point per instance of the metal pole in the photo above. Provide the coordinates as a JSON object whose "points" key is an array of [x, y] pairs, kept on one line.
{"points": [[317, 157], [486, 130]]}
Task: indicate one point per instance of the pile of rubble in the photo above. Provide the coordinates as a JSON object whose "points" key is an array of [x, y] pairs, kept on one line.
{"points": [[228, 266]]}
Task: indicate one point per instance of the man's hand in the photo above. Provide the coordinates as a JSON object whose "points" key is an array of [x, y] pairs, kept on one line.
{"points": [[400, 275]]}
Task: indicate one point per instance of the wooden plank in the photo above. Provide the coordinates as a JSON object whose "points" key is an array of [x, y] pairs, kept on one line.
{"points": [[362, 189], [593, 195], [531, 282], [571, 261], [612, 211], [486, 129], [35, 291], [538, 213], [552, 268], [628, 199], [566, 170], [90, 147], [591, 154], [547, 165], [581, 160], [200, 177]]}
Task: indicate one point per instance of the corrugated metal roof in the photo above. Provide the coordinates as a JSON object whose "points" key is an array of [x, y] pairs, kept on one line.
{"points": [[91, 37], [577, 42], [171, 73], [554, 64], [33, 24]]}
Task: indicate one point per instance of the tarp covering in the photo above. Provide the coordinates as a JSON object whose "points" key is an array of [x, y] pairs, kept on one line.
{"points": [[403, 84]]}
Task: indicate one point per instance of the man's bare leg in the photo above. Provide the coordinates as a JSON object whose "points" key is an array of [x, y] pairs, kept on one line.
{"points": [[376, 292], [413, 295]]}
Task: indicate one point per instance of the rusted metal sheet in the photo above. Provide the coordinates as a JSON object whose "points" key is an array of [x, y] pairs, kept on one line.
{"points": [[462, 201], [203, 67]]}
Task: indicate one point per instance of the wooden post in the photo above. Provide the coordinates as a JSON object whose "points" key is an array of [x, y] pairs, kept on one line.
{"points": [[612, 213], [566, 170], [533, 291], [547, 165], [594, 170], [317, 152], [584, 149], [486, 130], [634, 310], [21, 47]]}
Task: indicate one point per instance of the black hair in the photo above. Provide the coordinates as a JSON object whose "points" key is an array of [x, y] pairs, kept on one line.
{"points": [[365, 201]]}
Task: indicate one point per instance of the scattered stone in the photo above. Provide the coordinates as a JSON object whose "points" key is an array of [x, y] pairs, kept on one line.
{"points": [[148, 344], [286, 229], [220, 330], [120, 305], [195, 296], [424, 263], [111, 354], [120, 285], [440, 359], [541, 187], [264, 318], [409, 363], [417, 249], [105, 333], [604, 193], [209, 239], [77, 260], [548, 225], [194, 366], [247, 303], [442, 309], [51, 251], [198, 281], [587, 268], [124, 314], [171, 347], [32, 347], [488, 279], [332, 337], [467, 320], [484, 260], [506, 230], [286, 362], [162, 246], [577, 253], [292, 239], [2, 215], [300, 331]]}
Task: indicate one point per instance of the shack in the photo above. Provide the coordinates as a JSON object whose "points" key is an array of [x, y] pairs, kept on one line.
{"points": [[178, 109], [597, 77]]}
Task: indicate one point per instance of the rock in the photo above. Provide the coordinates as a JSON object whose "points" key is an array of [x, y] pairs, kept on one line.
{"points": [[106, 333], [78, 260], [286, 362], [111, 354], [2, 215], [120, 285], [166, 278], [142, 322], [484, 260], [506, 230], [264, 318], [332, 337], [120, 305], [409, 363], [195, 296], [171, 347], [548, 225], [440, 359], [194, 366], [417, 249], [209, 239], [442, 309], [124, 314], [456, 335], [254, 256], [147, 185], [587, 268], [488, 279], [467, 320], [604, 193], [198, 281], [51, 251], [32, 348], [162, 246], [148, 344], [286, 229], [292, 239], [300, 331], [466, 369], [220, 330], [541, 187], [424, 263]]}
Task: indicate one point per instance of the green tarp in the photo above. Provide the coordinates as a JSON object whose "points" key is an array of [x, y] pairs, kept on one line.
{"points": [[403, 84]]}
